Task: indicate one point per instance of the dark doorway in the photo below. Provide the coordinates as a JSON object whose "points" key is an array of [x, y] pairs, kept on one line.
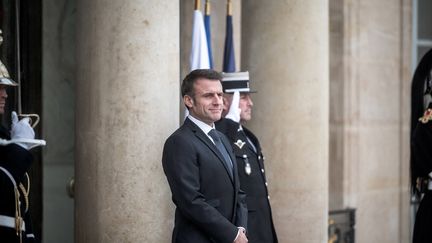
{"points": [[21, 52]]}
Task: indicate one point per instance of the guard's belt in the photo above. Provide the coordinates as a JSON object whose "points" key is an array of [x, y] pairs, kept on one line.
{"points": [[9, 222]]}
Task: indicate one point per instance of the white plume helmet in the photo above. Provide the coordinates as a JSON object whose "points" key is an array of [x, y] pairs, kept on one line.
{"points": [[4, 74]]}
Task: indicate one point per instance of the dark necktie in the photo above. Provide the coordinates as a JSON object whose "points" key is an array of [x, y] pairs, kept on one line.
{"points": [[213, 134]]}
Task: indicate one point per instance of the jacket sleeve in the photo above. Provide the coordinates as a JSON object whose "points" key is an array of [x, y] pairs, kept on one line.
{"points": [[180, 164], [421, 146], [16, 160], [242, 211]]}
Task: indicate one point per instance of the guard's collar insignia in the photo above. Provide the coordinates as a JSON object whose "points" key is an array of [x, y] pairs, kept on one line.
{"points": [[427, 116], [240, 143]]}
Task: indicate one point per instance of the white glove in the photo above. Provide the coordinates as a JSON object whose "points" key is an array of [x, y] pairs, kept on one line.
{"points": [[21, 128], [22, 132], [234, 110]]}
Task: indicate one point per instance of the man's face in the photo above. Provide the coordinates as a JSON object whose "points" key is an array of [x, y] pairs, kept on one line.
{"points": [[3, 96], [245, 105], [206, 105]]}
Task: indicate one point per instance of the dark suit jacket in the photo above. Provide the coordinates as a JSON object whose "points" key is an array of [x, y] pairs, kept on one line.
{"points": [[209, 203], [260, 221]]}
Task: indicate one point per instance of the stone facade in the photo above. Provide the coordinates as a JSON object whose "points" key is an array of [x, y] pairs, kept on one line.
{"points": [[332, 112], [369, 116]]}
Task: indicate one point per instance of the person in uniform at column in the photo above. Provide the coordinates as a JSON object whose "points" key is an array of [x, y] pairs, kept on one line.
{"points": [[421, 147], [15, 161], [201, 169], [250, 159]]}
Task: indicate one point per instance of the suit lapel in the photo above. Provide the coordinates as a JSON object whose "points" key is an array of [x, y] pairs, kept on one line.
{"points": [[203, 137]]}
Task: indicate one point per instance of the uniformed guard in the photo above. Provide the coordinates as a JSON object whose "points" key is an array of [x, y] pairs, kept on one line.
{"points": [[421, 147], [15, 161], [250, 159]]}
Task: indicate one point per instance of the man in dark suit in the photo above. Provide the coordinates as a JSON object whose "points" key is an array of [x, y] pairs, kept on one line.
{"points": [[250, 160], [201, 169]]}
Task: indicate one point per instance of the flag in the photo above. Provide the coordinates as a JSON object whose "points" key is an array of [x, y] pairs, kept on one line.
{"points": [[229, 59], [207, 24], [199, 58]]}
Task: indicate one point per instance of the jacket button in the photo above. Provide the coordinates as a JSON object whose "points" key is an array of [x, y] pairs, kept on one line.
{"points": [[262, 170]]}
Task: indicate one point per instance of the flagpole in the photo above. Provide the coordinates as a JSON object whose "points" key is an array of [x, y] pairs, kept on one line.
{"points": [[207, 7], [229, 58], [207, 25], [197, 4]]}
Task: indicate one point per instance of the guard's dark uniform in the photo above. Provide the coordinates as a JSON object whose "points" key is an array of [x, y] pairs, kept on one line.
{"points": [[14, 162], [250, 163], [421, 148]]}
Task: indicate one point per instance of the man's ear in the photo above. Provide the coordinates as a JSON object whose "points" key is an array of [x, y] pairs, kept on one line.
{"points": [[188, 101]]}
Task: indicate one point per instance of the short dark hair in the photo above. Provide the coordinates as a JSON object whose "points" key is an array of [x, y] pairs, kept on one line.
{"points": [[192, 77]]}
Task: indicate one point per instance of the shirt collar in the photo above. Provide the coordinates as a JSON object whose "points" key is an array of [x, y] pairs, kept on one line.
{"points": [[202, 125]]}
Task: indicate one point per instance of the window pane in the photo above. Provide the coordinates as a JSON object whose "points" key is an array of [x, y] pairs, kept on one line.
{"points": [[425, 19], [421, 50]]}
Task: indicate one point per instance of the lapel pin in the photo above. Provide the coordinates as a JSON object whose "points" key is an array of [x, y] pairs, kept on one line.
{"points": [[240, 143]]}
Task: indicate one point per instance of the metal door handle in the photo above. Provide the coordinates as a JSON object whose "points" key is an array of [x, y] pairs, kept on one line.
{"points": [[70, 187]]}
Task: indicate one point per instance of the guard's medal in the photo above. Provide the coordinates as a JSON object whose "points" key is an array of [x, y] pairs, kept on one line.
{"points": [[427, 116], [240, 143], [248, 169]]}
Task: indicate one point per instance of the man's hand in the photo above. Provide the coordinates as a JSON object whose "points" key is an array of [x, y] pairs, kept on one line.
{"points": [[234, 110], [241, 236]]}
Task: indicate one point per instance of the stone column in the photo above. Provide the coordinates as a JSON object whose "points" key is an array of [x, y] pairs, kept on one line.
{"points": [[285, 46], [370, 114], [127, 99]]}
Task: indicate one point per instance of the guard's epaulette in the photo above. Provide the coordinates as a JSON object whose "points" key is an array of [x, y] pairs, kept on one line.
{"points": [[427, 116]]}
